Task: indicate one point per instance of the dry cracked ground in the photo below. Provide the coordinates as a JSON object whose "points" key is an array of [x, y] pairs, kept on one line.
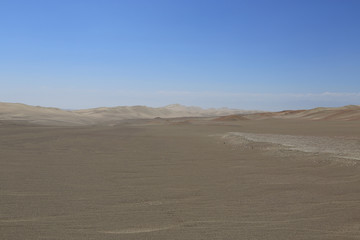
{"points": [[271, 179]]}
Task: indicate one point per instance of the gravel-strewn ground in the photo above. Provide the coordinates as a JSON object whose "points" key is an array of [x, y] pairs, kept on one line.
{"points": [[170, 180], [339, 147]]}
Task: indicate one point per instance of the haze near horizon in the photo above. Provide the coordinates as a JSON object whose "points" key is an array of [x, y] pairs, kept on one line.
{"points": [[266, 55]]}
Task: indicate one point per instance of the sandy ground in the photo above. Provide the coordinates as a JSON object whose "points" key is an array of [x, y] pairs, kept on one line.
{"points": [[338, 147], [178, 181]]}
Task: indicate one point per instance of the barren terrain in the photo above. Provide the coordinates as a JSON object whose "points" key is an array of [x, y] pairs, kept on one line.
{"points": [[178, 179], [96, 174]]}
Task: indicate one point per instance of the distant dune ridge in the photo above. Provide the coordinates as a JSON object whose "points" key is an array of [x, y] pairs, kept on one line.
{"points": [[55, 116], [231, 118], [346, 113], [107, 115]]}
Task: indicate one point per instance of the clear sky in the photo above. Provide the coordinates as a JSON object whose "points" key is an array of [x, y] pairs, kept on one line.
{"points": [[249, 54]]}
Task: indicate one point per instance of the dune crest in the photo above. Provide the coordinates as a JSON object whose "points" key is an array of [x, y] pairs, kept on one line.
{"points": [[17, 112], [103, 115]]}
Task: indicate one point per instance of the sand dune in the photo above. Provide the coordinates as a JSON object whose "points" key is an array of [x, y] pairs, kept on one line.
{"points": [[40, 115], [231, 118], [16, 112], [103, 115], [144, 112], [346, 113]]}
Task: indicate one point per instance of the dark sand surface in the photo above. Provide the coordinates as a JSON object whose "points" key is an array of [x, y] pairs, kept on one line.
{"points": [[175, 181]]}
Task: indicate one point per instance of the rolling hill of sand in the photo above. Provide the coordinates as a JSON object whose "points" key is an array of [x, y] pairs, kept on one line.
{"points": [[231, 118], [40, 115], [346, 113], [143, 112], [107, 115], [16, 112]]}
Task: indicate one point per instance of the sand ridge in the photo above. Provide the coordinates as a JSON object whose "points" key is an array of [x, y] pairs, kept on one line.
{"points": [[103, 115], [346, 113], [112, 115]]}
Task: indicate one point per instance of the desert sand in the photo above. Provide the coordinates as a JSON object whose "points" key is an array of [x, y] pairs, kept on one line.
{"points": [[104, 115], [248, 177]]}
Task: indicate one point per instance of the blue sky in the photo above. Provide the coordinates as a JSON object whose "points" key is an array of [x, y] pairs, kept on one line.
{"points": [[255, 54]]}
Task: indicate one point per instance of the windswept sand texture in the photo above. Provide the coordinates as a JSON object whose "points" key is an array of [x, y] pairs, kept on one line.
{"points": [[180, 179]]}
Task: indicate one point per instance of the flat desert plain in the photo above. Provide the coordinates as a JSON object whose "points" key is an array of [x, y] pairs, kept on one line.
{"points": [[190, 178]]}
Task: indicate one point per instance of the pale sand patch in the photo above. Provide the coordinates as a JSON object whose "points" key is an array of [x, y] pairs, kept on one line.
{"points": [[161, 228], [140, 230], [339, 147], [23, 194], [19, 220]]}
